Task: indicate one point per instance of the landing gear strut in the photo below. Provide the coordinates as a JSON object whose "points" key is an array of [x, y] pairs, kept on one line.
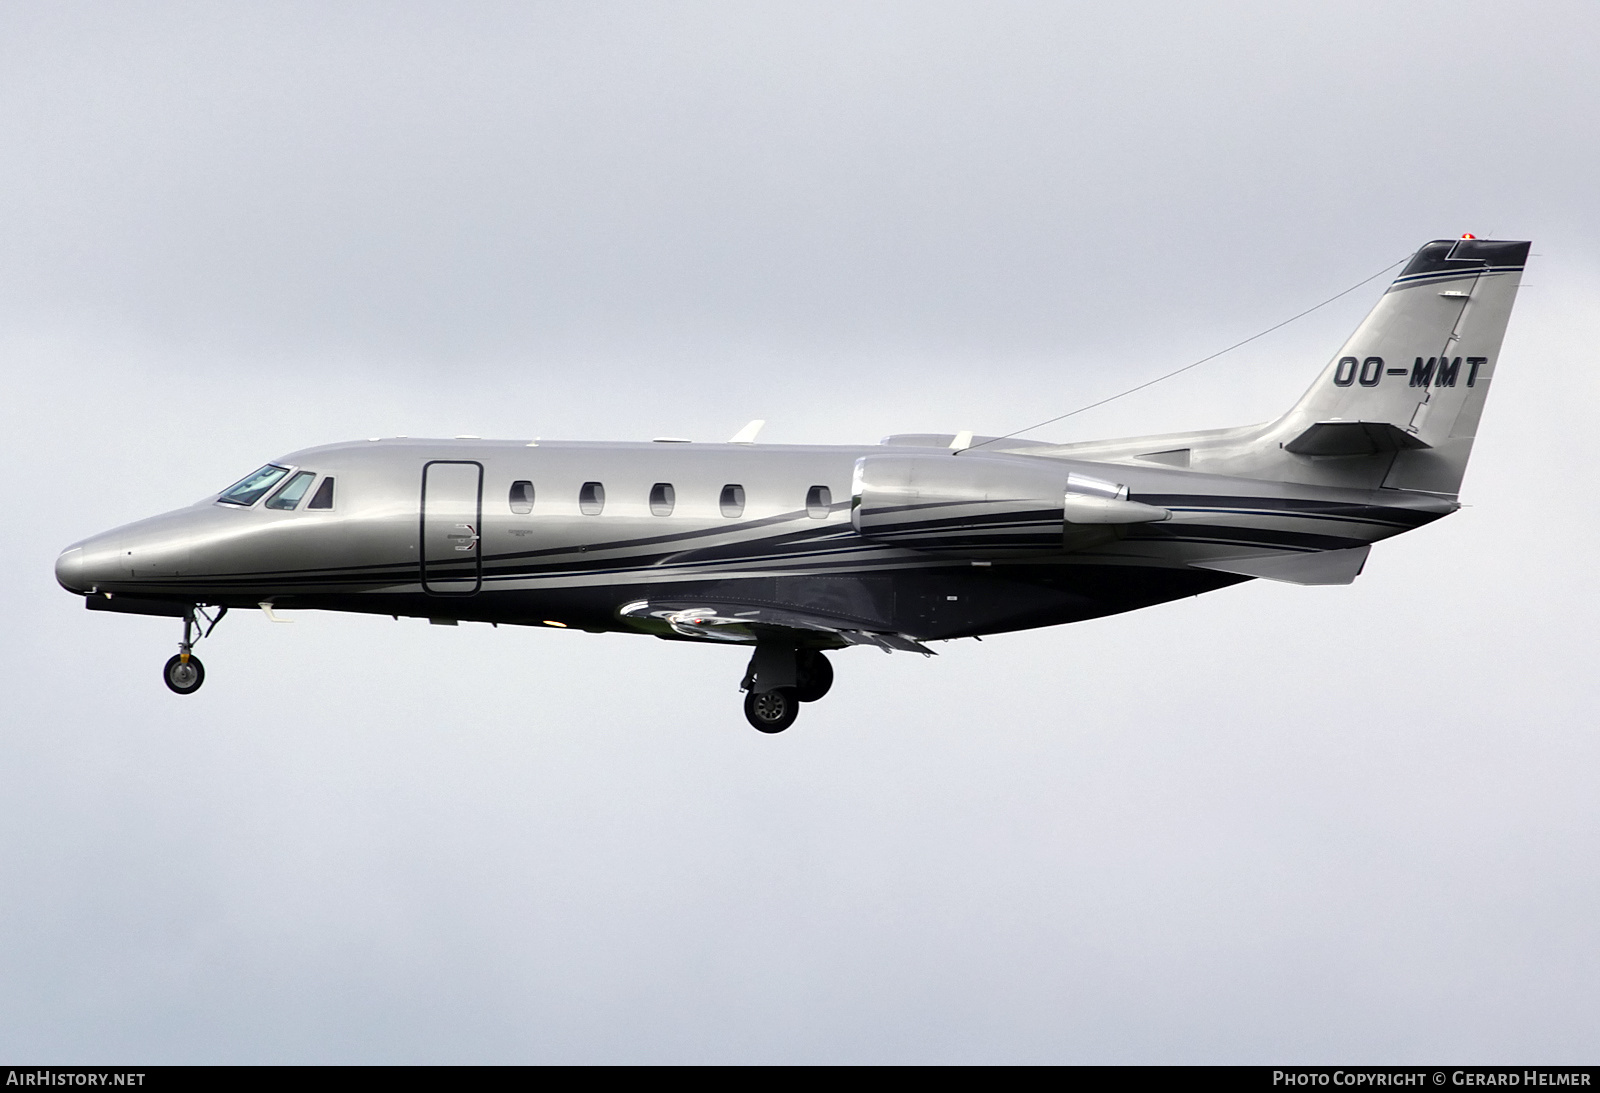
{"points": [[184, 673], [778, 680]]}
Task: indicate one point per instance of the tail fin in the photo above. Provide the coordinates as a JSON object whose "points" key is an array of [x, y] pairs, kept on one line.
{"points": [[1413, 377]]}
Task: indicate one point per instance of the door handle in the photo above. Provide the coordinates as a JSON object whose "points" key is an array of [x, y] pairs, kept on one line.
{"points": [[471, 537]]}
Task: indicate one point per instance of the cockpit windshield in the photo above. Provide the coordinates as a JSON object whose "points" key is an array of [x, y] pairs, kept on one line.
{"points": [[248, 490], [289, 496]]}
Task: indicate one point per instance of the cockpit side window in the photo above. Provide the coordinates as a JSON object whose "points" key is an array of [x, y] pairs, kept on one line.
{"points": [[292, 492], [323, 498], [247, 491]]}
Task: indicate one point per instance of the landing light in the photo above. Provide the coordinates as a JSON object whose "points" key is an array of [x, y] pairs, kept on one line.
{"points": [[557, 625]]}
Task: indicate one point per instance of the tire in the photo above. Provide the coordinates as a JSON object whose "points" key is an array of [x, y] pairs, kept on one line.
{"points": [[181, 678], [816, 678], [771, 711]]}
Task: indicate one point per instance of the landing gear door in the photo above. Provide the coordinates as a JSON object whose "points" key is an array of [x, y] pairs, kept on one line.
{"points": [[452, 526]]}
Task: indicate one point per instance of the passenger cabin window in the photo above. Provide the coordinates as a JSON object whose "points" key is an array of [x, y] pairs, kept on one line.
{"points": [[522, 498], [290, 495], [247, 491], [591, 498], [323, 498], [662, 498], [819, 500], [732, 501]]}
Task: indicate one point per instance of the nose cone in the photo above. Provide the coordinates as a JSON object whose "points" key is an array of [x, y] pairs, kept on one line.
{"points": [[86, 565], [69, 570]]}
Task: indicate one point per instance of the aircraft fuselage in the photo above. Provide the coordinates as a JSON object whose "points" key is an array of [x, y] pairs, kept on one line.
{"points": [[384, 545]]}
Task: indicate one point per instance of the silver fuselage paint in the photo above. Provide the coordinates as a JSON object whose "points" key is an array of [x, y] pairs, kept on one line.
{"points": [[556, 564]]}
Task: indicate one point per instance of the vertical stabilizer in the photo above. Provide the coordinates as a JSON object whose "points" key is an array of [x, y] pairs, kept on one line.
{"points": [[1413, 377]]}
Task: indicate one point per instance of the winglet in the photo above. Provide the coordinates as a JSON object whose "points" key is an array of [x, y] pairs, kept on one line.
{"points": [[747, 435]]}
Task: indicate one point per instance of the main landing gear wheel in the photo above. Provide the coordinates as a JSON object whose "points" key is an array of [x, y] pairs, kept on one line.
{"points": [[815, 677], [770, 711], [184, 674]]}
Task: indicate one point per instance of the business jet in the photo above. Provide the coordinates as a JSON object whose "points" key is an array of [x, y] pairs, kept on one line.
{"points": [[793, 552]]}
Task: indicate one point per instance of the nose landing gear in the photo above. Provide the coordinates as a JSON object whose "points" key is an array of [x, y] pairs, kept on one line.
{"points": [[778, 680], [184, 673]]}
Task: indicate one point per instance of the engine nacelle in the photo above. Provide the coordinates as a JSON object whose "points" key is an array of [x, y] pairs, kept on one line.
{"points": [[987, 505]]}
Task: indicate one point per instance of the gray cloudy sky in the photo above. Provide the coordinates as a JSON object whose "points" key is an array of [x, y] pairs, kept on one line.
{"points": [[1272, 824]]}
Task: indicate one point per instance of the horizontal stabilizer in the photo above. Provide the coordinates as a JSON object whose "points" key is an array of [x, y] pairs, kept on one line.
{"points": [[1353, 438], [1322, 567]]}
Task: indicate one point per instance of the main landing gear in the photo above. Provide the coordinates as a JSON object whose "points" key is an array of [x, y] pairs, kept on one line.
{"points": [[184, 673], [778, 680]]}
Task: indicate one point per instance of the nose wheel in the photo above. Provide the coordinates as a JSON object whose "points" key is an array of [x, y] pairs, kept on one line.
{"points": [[184, 673]]}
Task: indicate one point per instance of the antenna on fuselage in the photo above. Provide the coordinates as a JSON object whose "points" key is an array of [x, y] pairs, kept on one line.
{"points": [[747, 435], [1191, 364]]}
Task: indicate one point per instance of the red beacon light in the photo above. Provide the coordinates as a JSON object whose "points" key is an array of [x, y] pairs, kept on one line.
{"points": [[1468, 235]]}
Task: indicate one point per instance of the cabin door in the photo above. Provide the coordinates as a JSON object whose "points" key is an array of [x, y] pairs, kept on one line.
{"points": [[452, 525]]}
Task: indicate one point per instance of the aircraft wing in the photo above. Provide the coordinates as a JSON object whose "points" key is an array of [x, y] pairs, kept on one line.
{"points": [[750, 623]]}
